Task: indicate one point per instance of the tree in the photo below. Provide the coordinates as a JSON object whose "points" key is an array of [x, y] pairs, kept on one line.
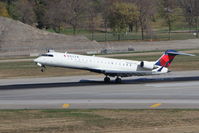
{"points": [[147, 11], [121, 15], [75, 13], [23, 10], [40, 10], [93, 10], [105, 7], [169, 13], [3, 10], [54, 16], [191, 12]]}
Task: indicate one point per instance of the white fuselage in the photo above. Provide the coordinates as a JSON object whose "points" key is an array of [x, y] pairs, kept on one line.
{"points": [[96, 64]]}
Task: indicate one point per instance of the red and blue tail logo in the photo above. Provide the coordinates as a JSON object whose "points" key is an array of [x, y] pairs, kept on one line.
{"points": [[166, 59]]}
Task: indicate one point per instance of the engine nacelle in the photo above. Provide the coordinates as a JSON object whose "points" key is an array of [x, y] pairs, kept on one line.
{"points": [[147, 65]]}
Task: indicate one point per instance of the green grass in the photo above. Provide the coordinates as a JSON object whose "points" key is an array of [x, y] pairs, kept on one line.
{"points": [[17, 57], [18, 65], [69, 31], [101, 36], [99, 120]]}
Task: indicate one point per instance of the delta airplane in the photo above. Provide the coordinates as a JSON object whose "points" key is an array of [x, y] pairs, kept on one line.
{"points": [[109, 67]]}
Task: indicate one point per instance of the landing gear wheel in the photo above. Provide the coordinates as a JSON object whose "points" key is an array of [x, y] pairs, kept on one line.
{"points": [[118, 80], [43, 68], [107, 80]]}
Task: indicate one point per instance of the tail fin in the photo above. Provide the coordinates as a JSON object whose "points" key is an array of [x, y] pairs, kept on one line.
{"points": [[166, 59]]}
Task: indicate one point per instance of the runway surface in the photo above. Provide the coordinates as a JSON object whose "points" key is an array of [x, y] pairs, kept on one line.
{"points": [[173, 90]]}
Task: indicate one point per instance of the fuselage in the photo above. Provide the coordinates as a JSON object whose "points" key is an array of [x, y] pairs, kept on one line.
{"points": [[95, 64], [109, 66]]}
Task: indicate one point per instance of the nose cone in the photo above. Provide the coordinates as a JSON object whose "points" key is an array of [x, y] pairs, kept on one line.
{"points": [[36, 60], [39, 60]]}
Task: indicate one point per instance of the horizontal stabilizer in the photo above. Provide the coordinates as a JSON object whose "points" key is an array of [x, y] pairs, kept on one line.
{"points": [[178, 53]]}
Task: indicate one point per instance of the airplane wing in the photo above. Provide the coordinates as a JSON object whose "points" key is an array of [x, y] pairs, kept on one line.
{"points": [[113, 73], [127, 73]]}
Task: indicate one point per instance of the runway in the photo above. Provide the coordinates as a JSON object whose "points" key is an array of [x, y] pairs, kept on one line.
{"points": [[173, 90]]}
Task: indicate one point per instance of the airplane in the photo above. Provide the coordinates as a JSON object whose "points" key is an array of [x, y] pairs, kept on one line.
{"points": [[108, 66]]}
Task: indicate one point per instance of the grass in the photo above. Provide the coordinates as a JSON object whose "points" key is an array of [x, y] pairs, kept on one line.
{"points": [[16, 57], [101, 36], [69, 31], [30, 69], [97, 121]]}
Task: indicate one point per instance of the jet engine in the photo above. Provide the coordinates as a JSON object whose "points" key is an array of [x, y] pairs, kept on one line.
{"points": [[147, 65]]}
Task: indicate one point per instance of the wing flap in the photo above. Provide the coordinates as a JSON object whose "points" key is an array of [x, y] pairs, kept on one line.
{"points": [[127, 73]]}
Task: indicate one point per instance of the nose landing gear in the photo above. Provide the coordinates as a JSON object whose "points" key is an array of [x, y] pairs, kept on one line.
{"points": [[43, 68]]}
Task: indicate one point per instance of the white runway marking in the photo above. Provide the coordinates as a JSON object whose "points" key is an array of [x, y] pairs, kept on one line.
{"points": [[171, 84]]}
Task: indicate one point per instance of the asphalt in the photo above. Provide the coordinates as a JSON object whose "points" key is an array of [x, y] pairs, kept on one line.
{"points": [[173, 90]]}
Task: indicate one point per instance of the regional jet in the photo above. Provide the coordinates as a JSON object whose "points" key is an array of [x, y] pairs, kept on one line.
{"points": [[109, 67]]}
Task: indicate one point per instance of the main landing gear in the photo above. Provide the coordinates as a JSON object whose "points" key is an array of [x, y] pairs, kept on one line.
{"points": [[118, 80], [108, 80]]}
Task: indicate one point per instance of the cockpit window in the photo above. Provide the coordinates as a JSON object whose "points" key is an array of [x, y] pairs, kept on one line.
{"points": [[48, 55]]}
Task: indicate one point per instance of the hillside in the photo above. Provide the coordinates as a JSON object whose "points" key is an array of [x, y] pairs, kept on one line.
{"points": [[17, 38]]}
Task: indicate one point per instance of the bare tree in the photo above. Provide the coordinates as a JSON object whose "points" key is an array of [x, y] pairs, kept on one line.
{"points": [[71, 12], [75, 13], [23, 11], [54, 15], [105, 14], [168, 12], [191, 12], [93, 10], [147, 10]]}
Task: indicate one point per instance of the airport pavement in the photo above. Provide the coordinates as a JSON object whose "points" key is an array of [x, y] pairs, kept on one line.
{"points": [[173, 90]]}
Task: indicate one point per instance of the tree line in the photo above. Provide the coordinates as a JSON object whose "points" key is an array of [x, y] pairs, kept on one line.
{"points": [[120, 16]]}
